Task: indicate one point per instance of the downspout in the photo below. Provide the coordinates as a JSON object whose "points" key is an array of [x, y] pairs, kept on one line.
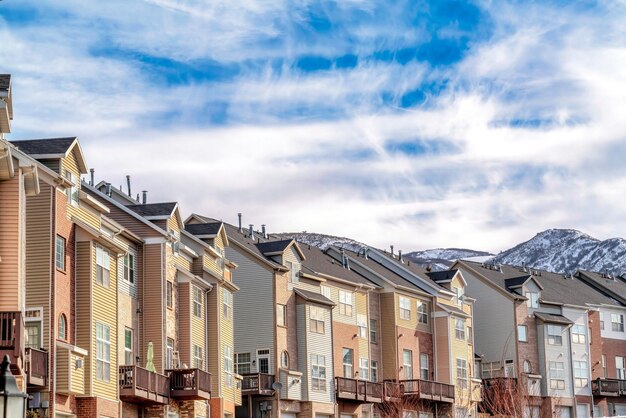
{"points": [[52, 402], [206, 339]]}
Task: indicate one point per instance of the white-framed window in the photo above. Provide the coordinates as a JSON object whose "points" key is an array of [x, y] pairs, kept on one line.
{"points": [[72, 192], [407, 364], [169, 353], [533, 299], [527, 366], [620, 367], [281, 315], [129, 268], [459, 329], [424, 369], [242, 363], [198, 357], [555, 334], [198, 301], [405, 308], [459, 293], [294, 272], [346, 301], [348, 363], [581, 374], [128, 347], [284, 359], [461, 373], [59, 253], [604, 366], [374, 371], [617, 322], [601, 320], [364, 369], [521, 333], [103, 265], [422, 312], [103, 352], [169, 294], [579, 334], [325, 291], [468, 334], [228, 366], [557, 375], [316, 321], [175, 242], [361, 322], [318, 372], [227, 303], [373, 334], [62, 327]]}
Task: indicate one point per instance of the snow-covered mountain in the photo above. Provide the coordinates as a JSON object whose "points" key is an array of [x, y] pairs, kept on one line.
{"points": [[566, 250], [321, 240], [443, 258]]}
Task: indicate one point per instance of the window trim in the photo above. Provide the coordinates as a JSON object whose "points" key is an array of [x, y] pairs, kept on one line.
{"points": [[422, 312], [462, 378], [554, 339], [407, 367], [197, 298], [315, 321], [197, 359], [62, 320], [228, 366], [59, 240], [103, 268], [364, 368], [239, 363], [524, 334], [345, 366], [361, 323], [533, 299], [346, 307], [169, 294], [227, 304], [617, 326], [459, 331], [281, 315], [424, 369], [129, 267], [373, 331], [128, 350], [318, 372], [404, 311], [101, 357]]}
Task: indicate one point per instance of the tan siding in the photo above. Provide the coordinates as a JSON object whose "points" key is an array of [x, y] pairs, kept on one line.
{"points": [[153, 303], [215, 350], [198, 335], [78, 376], [10, 222], [84, 213], [184, 326], [388, 338], [361, 309], [83, 304], [442, 338], [227, 332], [62, 370]]}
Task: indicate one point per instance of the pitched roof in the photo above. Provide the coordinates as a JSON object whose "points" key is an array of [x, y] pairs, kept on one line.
{"points": [[45, 146], [211, 228], [318, 262], [5, 82], [442, 276], [516, 281], [154, 209], [314, 297], [558, 319], [270, 247], [414, 268], [615, 285]]}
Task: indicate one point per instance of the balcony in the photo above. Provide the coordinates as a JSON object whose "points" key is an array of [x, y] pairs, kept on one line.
{"points": [[140, 386], [426, 389], [608, 387], [12, 338], [257, 384], [359, 390], [392, 391], [36, 368], [190, 384]]}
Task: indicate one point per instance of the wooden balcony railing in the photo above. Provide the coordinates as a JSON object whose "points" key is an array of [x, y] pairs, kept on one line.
{"points": [[12, 339], [359, 390], [190, 384], [393, 391], [257, 384], [36, 367], [427, 389], [138, 385], [608, 387]]}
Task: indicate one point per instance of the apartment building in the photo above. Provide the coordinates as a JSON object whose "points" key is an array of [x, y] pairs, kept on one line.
{"points": [[533, 328]]}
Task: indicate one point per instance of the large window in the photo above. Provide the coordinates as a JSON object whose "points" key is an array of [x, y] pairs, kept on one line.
{"points": [[533, 299], [361, 322], [364, 369], [557, 375], [103, 352], [424, 372], [374, 371], [581, 374], [59, 254], [405, 308], [345, 302], [128, 346], [227, 304], [521, 333], [422, 312], [294, 272], [459, 329], [461, 373], [242, 363], [228, 366], [407, 363], [129, 268], [373, 335], [318, 372], [316, 321], [620, 367], [555, 334], [617, 322], [103, 265], [579, 335], [198, 357], [281, 315], [198, 301], [348, 363]]}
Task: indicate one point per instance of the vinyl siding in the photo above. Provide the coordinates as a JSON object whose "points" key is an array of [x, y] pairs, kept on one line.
{"points": [[83, 305], [303, 357], [292, 256], [84, 213], [184, 324], [387, 336], [62, 372], [78, 376], [11, 230], [361, 309], [226, 338], [215, 351], [153, 303], [125, 286], [443, 371], [320, 344]]}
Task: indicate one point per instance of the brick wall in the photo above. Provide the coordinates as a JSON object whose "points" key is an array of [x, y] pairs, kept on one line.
{"points": [[418, 342], [527, 350], [96, 407]]}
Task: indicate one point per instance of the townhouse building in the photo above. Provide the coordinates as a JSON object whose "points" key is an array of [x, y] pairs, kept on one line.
{"points": [[533, 327]]}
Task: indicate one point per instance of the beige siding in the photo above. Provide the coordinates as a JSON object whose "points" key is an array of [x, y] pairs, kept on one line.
{"points": [[184, 324], [78, 376], [215, 351], [84, 213], [11, 221], [62, 370], [153, 303], [83, 304], [226, 336], [388, 339], [361, 309]]}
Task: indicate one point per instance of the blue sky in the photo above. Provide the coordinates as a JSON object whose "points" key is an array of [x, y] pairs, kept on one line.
{"points": [[414, 123]]}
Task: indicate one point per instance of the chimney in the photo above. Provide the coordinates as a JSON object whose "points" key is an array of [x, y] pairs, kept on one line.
{"points": [[91, 173], [391, 246], [107, 189], [144, 199], [239, 216], [400, 256], [128, 185], [137, 198], [251, 231], [263, 231]]}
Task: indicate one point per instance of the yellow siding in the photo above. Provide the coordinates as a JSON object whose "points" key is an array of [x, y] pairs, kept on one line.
{"points": [[172, 224], [215, 350], [11, 227], [226, 331], [412, 322], [62, 372], [219, 242], [78, 376], [83, 304], [184, 325], [153, 303], [198, 336], [82, 212], [361, 308], [388, 338]]}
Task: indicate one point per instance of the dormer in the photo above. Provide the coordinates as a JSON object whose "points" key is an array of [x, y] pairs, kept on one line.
{"points": [[286, 252], [6, 104], [526, 286]]}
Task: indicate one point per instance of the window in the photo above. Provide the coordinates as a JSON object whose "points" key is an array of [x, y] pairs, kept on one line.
{"points": [[316, 322], [284, 359], [557, 375], [468, 334], [409, 414], [422, 312], [361, 322], [364, 369], [604, 365], [129, 268], [294, 272], [424, 372], [197, 357], [103, 352], [128, 346], [601, 320], [533, 299], [103, 264], [263, 358], [318, 372], [407, 363], [168, 294], [33, 334], [169, 354], [59, 254], [281, 315], [227, 304], [405, 308], [619, 368], [578, 334], [374, 371], [345, 303], [325, 291], [527, 367], [461, 373], [555, 335], [348, 363], [175, 241], [72, 192], [62, 327], [198, 301], [242, 363], [373, 336], [581, 374], [617, 322], [521, 333], [459, 329], [459, 292], [228, 366]]}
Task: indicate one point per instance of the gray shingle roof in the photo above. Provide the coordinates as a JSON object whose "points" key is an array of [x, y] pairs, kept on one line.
{"points": [[442, 276], [516, 281], [211, 228], [318, 262], [558, 319], [45, 146], [415, 269], [615, 284], [154, 209], [314, 297], [273, 246], [5, 82]]}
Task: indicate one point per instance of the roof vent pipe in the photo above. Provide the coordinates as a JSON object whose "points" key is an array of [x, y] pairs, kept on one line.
{"points": [[251, 231], [344, 259], [144, 198], [263, 231], [391, 246], [239, 216], [400, 256], [107, 189], [137, 198], [128, 185], [91, 173]]}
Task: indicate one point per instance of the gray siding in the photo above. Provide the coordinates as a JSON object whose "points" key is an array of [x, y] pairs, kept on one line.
{"points": [[321, 344], [580, 352], [558, 353], [303, 360]]}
